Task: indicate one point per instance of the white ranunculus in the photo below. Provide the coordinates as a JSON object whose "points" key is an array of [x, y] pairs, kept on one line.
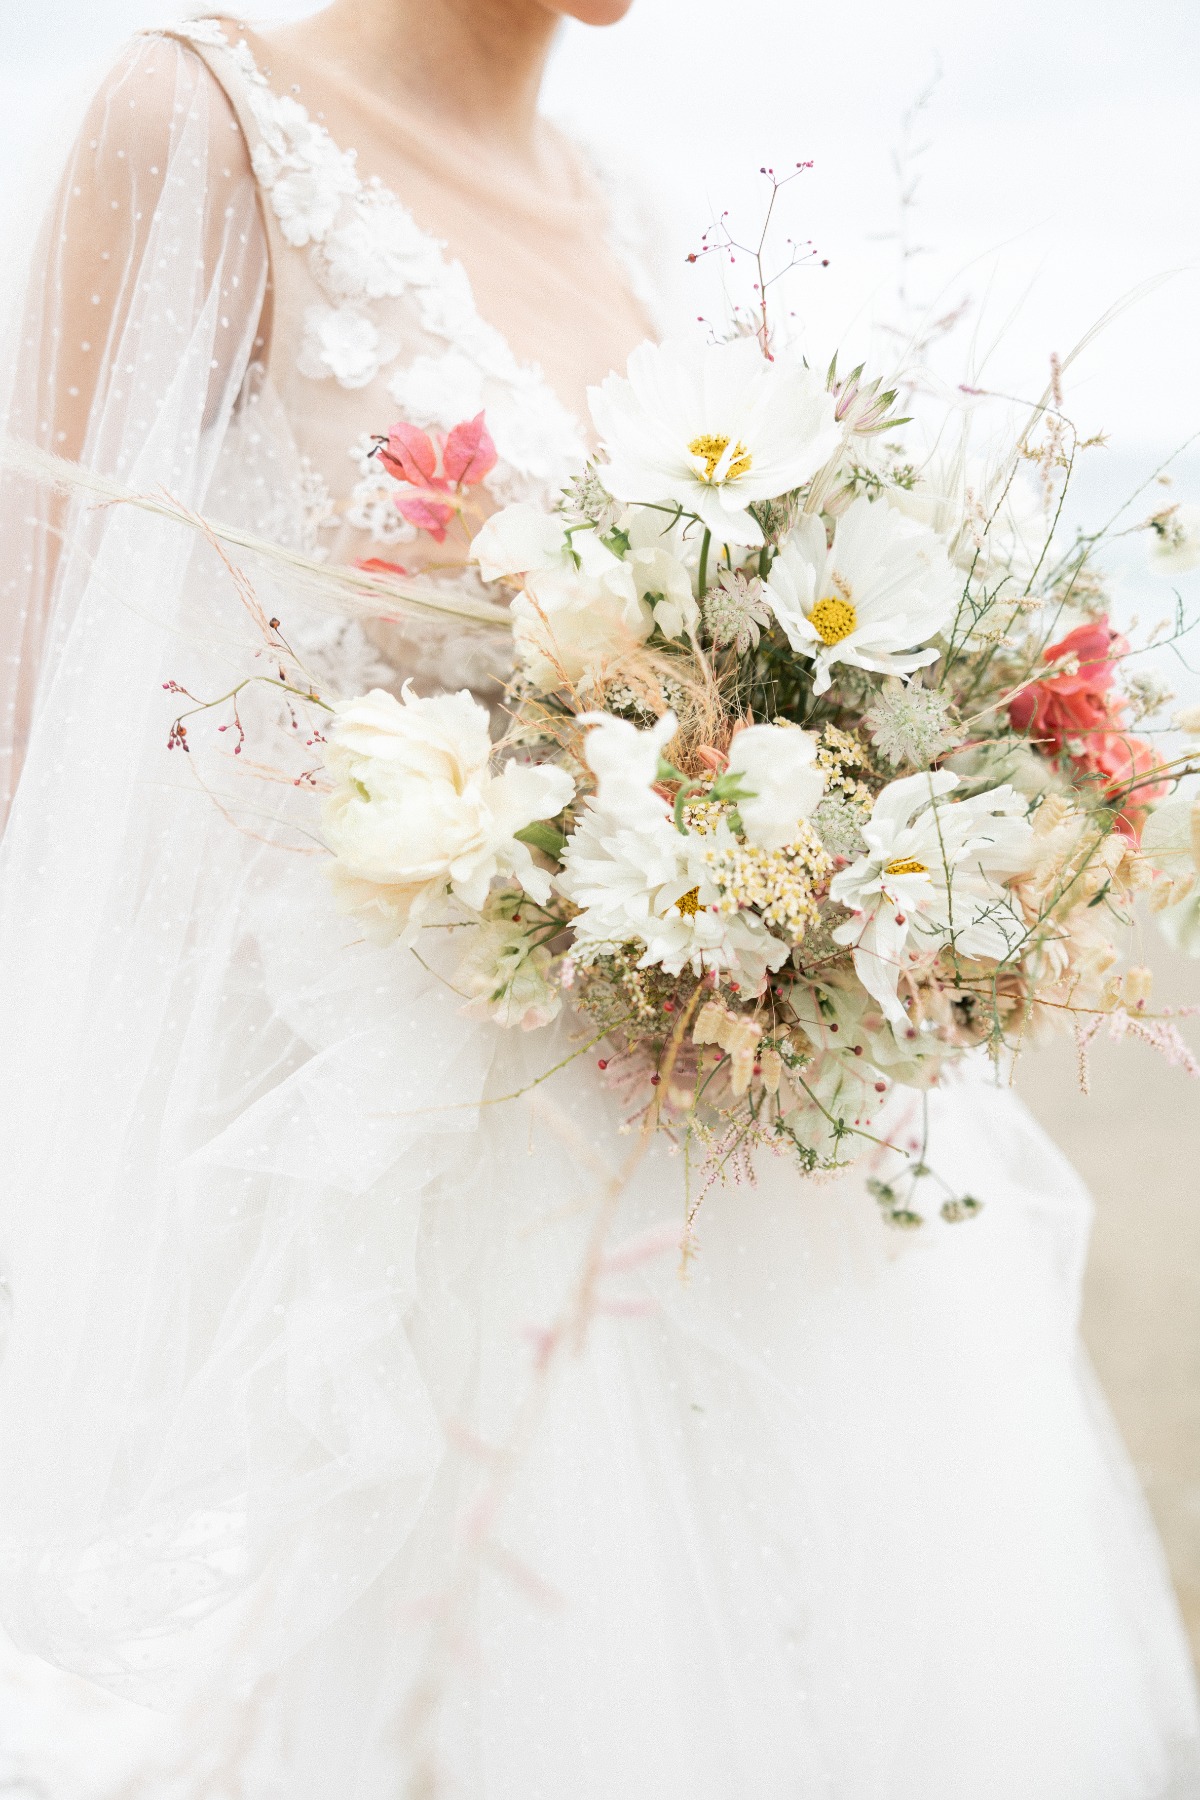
{"points": [[661, 574], [778, 765], [415, 812], [933, 874], [640, 881], [712, 428], [884, 587], [579, 612]]}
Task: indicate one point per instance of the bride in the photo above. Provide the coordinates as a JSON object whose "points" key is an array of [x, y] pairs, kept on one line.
{"points": [[330, 1412]]}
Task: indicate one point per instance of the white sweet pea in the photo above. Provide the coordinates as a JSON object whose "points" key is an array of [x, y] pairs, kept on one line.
{"points": [[579, 612], [660, 573], [712, 428], [777, 764], [415, 812], [640, 881], [625, 762], [505, 977], [884, 586], [933, 874], [517, 539]]}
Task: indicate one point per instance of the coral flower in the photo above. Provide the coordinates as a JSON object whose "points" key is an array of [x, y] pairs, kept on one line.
{"points": [[1080, 715], [1065, 707]]}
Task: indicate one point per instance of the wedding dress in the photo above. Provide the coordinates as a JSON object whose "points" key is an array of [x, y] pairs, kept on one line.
{"points": [[833, 1512]]}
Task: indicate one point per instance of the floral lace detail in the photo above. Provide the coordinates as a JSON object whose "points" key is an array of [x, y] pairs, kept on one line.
{"points": [[365, 247], [318, 511], [342, 659], [372, 504]]}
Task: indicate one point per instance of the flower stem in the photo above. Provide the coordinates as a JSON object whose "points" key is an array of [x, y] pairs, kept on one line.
{"points": [[704, 549]]}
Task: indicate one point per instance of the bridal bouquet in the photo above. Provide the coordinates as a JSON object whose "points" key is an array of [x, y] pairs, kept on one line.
{"points": [[820, 770]]}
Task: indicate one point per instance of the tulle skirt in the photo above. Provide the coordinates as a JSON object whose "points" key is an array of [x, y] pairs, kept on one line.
{"points": [[822, 1510]]}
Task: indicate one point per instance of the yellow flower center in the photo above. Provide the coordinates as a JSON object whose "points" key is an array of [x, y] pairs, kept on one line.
{"points": [[710, 450], [906, 865], [833, 619], [689, 904]]}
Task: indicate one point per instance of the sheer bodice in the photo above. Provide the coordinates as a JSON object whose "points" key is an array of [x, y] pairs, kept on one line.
{"points": [[370, 316], [235, 293]]}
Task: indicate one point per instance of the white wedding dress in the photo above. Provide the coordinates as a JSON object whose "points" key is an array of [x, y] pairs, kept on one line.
{"points": [[834, 1514]]}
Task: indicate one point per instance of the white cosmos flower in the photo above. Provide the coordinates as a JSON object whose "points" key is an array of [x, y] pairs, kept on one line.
{"points": [[712, 428], [884, 587], [640, 881], [777, 765], [416, 813], [580, 610], [933, 874]]}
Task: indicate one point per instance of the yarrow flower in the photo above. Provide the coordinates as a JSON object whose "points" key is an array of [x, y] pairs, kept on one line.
{"points": [[882, 588], [780, 884], [712, 428], [932, 874]]}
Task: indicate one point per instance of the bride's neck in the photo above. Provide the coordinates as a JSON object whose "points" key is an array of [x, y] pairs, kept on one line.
{"points": [[472, 64]]}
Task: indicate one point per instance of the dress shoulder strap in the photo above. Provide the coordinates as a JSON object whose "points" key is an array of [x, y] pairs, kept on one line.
{"points": [[232, 66]]}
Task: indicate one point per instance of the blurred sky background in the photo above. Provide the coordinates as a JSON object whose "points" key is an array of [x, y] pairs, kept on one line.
{"points": [[1055, 157]]}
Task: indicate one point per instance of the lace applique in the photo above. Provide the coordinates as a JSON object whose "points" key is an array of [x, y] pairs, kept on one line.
{"points": [[372, 504], [318, 511], [341, 658], [343, 342]]}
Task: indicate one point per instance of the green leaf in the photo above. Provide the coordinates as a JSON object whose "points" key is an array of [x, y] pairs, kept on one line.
{"points": [[543, 837]]}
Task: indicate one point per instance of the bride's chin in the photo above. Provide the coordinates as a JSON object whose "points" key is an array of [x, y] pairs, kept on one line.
{"points": [[591, 12]]}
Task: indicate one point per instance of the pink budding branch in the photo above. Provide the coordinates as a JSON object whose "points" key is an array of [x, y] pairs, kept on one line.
{"points": [[436, 470]]}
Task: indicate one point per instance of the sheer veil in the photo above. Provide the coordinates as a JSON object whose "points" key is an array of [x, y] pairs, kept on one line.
{"points": [[125, 949]]}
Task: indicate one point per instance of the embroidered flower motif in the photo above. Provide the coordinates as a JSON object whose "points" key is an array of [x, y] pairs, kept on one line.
{"points": [[344, 343], [378, 251], [302, 169]]}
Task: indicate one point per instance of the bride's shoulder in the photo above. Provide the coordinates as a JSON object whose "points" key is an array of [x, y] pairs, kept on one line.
{"points": [[159, 101]]}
